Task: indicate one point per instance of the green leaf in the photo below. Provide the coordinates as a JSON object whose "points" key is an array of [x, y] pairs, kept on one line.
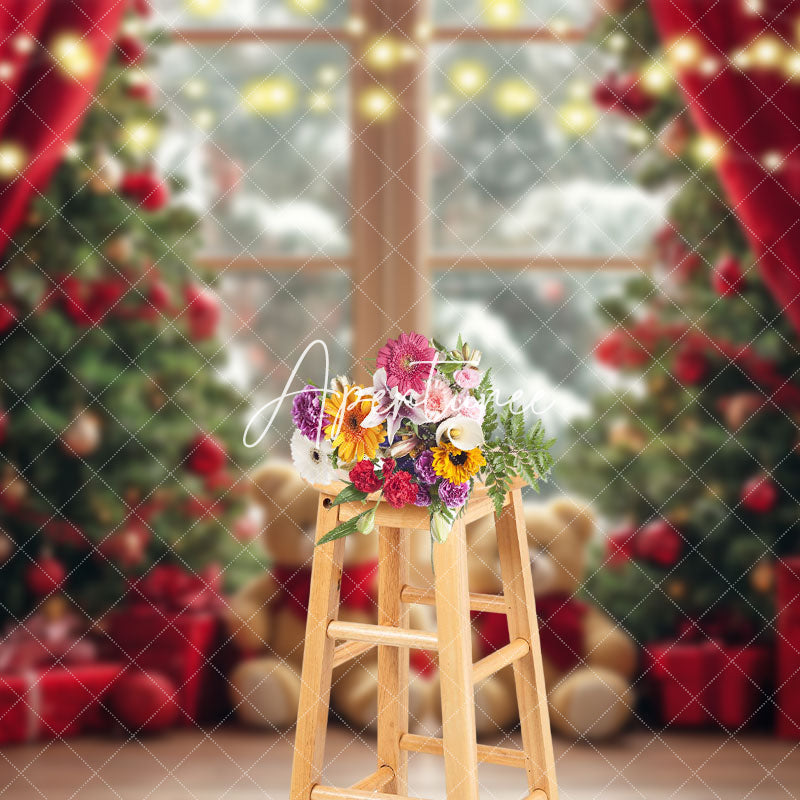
{"points": [[348, 495], [344, 529]]}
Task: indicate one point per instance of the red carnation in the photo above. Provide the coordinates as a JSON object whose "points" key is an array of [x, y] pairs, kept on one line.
{"points": [[364, 478], [389, 465], [399, 490]]}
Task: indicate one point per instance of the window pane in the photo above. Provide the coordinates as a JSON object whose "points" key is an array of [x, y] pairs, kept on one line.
{"points": [[519, 164], [260, 132], [261, 13], [507, 13], [536, 329], [270, 319]]}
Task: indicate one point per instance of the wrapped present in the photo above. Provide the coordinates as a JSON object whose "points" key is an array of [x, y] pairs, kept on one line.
{"points": [[172, 626], [787, 648], [55, 702], [705, 682]]}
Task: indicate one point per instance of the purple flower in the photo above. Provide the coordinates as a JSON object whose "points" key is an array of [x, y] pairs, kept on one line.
{"points": [[454, 495], [423, 497], [307, 410], [423, 466]]}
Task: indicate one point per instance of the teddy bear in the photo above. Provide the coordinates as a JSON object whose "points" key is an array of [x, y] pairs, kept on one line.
{"points": [[267, 617], [588, 660]]}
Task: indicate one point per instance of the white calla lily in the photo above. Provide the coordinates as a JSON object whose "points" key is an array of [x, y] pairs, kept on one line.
{"points": [[463, 432]]}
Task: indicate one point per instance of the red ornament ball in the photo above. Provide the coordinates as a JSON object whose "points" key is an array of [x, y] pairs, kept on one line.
{"points": [[203, 312], [3, 425], [83, 435], [207, 456], [623, 93], [45, 576], [149, 190], [131, 49], [144, 702], [620, 545], [659, 543], [8, 316], [728, 277], [759, 494], [690, 366], [6, 546]]}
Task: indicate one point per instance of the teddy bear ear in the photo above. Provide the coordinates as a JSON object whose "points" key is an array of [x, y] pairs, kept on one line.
{"points": [[270, 480], [573, 513]]}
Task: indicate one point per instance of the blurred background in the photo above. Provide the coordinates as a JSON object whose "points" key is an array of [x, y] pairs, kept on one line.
{"points": [[600, 195]]}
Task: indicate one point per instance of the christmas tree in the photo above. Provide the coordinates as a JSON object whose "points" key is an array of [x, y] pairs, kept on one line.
{"points": [[695, 452], [121, 456]]}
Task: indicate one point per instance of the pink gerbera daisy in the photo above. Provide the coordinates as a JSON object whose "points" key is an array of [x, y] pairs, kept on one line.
{"points": [[407, 361]]}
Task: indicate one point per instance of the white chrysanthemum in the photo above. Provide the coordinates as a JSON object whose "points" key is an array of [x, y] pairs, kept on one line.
{"points": [[312, 462]]}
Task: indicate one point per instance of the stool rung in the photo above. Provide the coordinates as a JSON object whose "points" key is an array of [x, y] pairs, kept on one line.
{"points": [[537, 794], [382, 634], [332, 793], [348, 651], [494, 662], [376, 781], [505, 756], [493, 603]]}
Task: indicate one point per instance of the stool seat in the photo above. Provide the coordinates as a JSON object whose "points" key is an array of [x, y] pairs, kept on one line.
{"points": [[453, 642]]}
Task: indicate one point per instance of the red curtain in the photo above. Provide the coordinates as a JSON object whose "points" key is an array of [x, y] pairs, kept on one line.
{"points": [[52, 54], [734, 61]]}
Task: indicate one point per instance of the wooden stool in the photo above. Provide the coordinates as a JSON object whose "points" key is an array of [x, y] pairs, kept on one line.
{"points": [[391, 635]]}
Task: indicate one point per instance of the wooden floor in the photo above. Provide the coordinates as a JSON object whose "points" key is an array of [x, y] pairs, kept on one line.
{"points": [[244, 766]]}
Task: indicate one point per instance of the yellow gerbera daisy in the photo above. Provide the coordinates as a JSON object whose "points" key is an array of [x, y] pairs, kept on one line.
{"points": [[347, 409], [457, 466]]}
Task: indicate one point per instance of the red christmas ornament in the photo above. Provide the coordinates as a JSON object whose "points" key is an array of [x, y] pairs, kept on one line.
{"points": [[131, 49], [141, 7], [686, 265], [61, 531], [8, 316], [659, 543], [728, 277], [620, 545], [3, 426], [6, 546], [45, 576], [203, 312], [147, 189], [83, 435], [690, 366], [206, 455], [158, 300], [144, 702], [623, 93], [622, 348], [759, 494], [127, 546]]}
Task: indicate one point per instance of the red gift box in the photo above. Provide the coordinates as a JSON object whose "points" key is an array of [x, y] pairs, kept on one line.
{"points": [[787, 648], [707, 683], [178, 645], [55, 702]]}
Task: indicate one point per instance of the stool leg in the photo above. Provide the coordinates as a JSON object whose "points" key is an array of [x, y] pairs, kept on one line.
{"points": [[315, 688], [393, 557], [455, 665], [512, 543]]}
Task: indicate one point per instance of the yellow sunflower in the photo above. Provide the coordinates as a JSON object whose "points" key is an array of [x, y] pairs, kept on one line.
{"points": [[457, 466], [346, 412]]}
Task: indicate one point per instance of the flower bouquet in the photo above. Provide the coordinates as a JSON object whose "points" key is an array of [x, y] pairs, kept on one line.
{"points": [[422, 434]]}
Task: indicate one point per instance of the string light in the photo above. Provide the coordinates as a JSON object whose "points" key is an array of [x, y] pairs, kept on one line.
{"points": [[684, 52], [656, 78], [772, 160], [707, 150], [269, 95], [376, 104], [515, 97], [766, 51], [617, 42], [72, 55], [383, 53], [355, 26], [12, 159], [203, 8], [140, 136], [23, 44], [501, 13], [443, 104], [753, 6], [327, 75], [741, 59], [307, 6], [577, 117], [469, 77], [792, 65], [638, 136], [424, 30], [204, 118], [195, 88], [560, 26], [710, 65], [6, 70], [320, 102]]}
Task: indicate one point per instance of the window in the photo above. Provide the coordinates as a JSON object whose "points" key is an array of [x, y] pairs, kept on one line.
{"points": [[363, 167]]}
